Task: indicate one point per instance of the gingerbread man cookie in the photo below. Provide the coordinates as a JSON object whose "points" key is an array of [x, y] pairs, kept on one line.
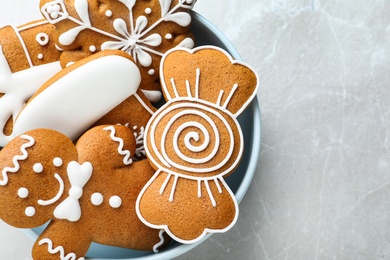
{"points": [[144, 29], [194, 141], [87, 191], [28, 57]]}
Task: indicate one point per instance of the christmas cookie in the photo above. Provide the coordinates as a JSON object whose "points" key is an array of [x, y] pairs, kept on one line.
{"points": [[81, 94], [28, 57], [144, 29], [87, 191], [194, 141]]}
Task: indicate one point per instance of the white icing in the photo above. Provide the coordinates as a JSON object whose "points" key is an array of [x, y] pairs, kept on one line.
{"points": [[57, 162], [152, 95], [58, 47], [151, 72], [38, 168], [139, 139], [168, 36], [160, 243], [209, 192], [167, 228], [219, 101], [171, 196], [30, 211], [40, 56], [136, 40], [32, 25], [145, 106], [92, 48], [42, 38], [200, 111], [126, 153], [23, 193], [108, 13], [115, 202], [113, 76], [97, 199], [16, 159], [58, 249], [57, 196], [70, 63], [78, 176], [18, 87]]}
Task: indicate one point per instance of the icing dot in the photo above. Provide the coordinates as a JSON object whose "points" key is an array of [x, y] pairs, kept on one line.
{"points": [[108, 13], [40, 56], [38, 168], [151, 72], [97, 199], [92, 48], [30, 211], [148, 10], [57, 162], [42, 38], [23, 193], [115, 202], [168, 36]]}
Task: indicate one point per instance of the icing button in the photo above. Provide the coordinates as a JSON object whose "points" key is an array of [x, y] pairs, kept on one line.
{"points": [[97, 199], [30, 211], [115, 202]]}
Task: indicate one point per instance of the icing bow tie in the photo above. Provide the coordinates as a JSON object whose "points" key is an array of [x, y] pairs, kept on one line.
{"points": [[78, 176]]}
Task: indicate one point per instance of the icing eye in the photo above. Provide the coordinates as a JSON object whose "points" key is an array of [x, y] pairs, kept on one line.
{"points": [[168, 36], [23, 193], [57, 162], [30, 211], [38, 168], [148, 11], [115, 202]]}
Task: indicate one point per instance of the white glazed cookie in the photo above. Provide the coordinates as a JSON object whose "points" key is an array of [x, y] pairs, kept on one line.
{"points": [[81, 94]]}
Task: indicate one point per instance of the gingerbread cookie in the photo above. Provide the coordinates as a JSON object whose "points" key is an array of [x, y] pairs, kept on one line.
{"points": [[28, 57], [88, 191], [194, 141], [144, 29], [81, 94]]}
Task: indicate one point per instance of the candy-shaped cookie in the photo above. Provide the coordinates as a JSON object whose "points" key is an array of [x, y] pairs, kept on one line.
{"points": [[87, 191], [28, 57], [85, 92], [144, 29], [194, 141]]}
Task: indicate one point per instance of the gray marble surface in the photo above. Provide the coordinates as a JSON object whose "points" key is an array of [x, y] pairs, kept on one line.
{"points": [[322, 186]]}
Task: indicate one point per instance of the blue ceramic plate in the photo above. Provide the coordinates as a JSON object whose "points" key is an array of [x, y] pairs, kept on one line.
{"points": [[239, 181]]}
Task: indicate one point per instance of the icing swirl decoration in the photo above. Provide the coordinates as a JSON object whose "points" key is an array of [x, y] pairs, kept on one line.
{"points": [[191, 140]]}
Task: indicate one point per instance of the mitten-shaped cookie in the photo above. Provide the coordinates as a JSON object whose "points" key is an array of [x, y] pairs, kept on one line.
{"points": [[194, 142], [144, 29], [28, 57], [88, 191]]}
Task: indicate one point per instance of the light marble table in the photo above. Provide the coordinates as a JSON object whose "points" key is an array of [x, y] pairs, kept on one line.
{"points": [[322, 186]]}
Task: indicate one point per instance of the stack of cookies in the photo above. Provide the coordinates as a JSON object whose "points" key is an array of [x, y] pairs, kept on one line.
{"points": [[87, 149]]}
